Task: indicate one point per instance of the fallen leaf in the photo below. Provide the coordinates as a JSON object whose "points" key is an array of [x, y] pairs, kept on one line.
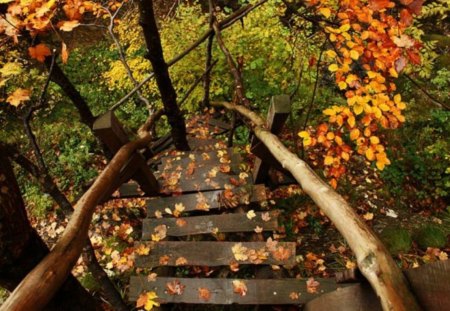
{"points": [[251, 214], [204, 293], [175, 288], [181, 261], [271, 244], [258, 229], [160, 232], [239, 287], [281, 253], [181, 222], [142, 250], [265, 216], [18, 96], [179, 208], [152, 277], [164, 260], [312, 285], [368, 216], [239, 252], [147, 300], [294, 295]]}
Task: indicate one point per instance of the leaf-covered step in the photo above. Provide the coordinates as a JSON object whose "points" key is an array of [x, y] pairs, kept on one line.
{"points": [[224, 158], [231, 291], [204, 201], [235, 222], [214, 253]]}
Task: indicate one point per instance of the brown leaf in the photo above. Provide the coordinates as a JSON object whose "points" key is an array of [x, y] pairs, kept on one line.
{"points": [[181, 261], [312, 285], [239, 287], [281, 253], [164, 260], [175, 288]]}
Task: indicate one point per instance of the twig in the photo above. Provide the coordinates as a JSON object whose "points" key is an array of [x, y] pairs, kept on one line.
{"points": [[197, 81], [122, 55], [227, 22], [436, 101]]}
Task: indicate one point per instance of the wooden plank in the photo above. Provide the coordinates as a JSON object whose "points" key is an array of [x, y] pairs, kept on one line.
{"points": [[110, 131], [205, 144], [201, 200], [129, 190], [207, 253], [431, 285], [259, 291], [199, 158], [357, 297], [203, 178], [211, 224]]}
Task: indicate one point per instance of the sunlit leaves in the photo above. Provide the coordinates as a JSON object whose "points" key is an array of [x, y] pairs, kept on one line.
{"points": [[239, 287]]}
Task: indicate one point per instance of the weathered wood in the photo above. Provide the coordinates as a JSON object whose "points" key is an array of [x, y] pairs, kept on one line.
{"points": [[210, 224], [211, 199], [206, 253], [279, 110], [431, 285], [201, 178], [259, 292], [357, 297], [199, 158], [108, 128]]}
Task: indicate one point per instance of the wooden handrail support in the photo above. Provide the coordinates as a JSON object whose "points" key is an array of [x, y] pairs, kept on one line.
{"points": [[279, 110], [109, 129]]}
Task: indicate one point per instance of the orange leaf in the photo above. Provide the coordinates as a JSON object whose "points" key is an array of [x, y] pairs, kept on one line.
{"points": [[204, 293], [39, 52], [239, 287], [64, 53], [175, 288]]}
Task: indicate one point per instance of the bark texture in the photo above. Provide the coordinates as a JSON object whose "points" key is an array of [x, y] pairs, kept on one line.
{"points": [[373, 259], [161, 71], [21, 249]]}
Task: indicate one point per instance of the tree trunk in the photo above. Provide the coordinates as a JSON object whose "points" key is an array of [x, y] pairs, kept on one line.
{"points": [[373, 259], [58, 76], [21, 248], [160, 68]]}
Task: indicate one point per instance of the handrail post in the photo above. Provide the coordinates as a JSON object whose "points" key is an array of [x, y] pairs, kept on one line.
{"points": [[110, 131], [279, 110]]}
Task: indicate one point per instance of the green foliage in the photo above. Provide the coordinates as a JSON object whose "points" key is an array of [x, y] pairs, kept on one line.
{"points": [[397, 240], [38, 203], [3, 295], [430, 236], [421, 156]]}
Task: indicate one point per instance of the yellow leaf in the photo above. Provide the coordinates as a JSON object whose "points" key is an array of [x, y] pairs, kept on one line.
{"points": [[342, 85], [329, 112], [393, 72], [351, 121], [251, 214], [303, 134], [18, 96], [333, 67], [384, 107], [374, 140], [147, 300], [370, 155], [328, 160], [331, 53], [354, 54], [358, 109], [11, 69], [325, 12], [344, 28], [330, 135], [345, 156], [354, 134], [397, 98]]}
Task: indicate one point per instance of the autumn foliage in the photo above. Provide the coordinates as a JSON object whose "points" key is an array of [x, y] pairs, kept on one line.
{"points": [[369, 49]]}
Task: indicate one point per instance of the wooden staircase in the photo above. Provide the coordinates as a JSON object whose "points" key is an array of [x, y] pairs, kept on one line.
{"points": [[209, 213]]}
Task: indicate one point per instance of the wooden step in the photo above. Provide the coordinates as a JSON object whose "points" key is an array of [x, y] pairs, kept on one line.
{"points": [[200, 158], [205, 201], [215, 253], [222, 291], [183, 226]]}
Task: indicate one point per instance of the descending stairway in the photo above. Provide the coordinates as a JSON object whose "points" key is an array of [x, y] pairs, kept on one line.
{"points": [[212, 200]]}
